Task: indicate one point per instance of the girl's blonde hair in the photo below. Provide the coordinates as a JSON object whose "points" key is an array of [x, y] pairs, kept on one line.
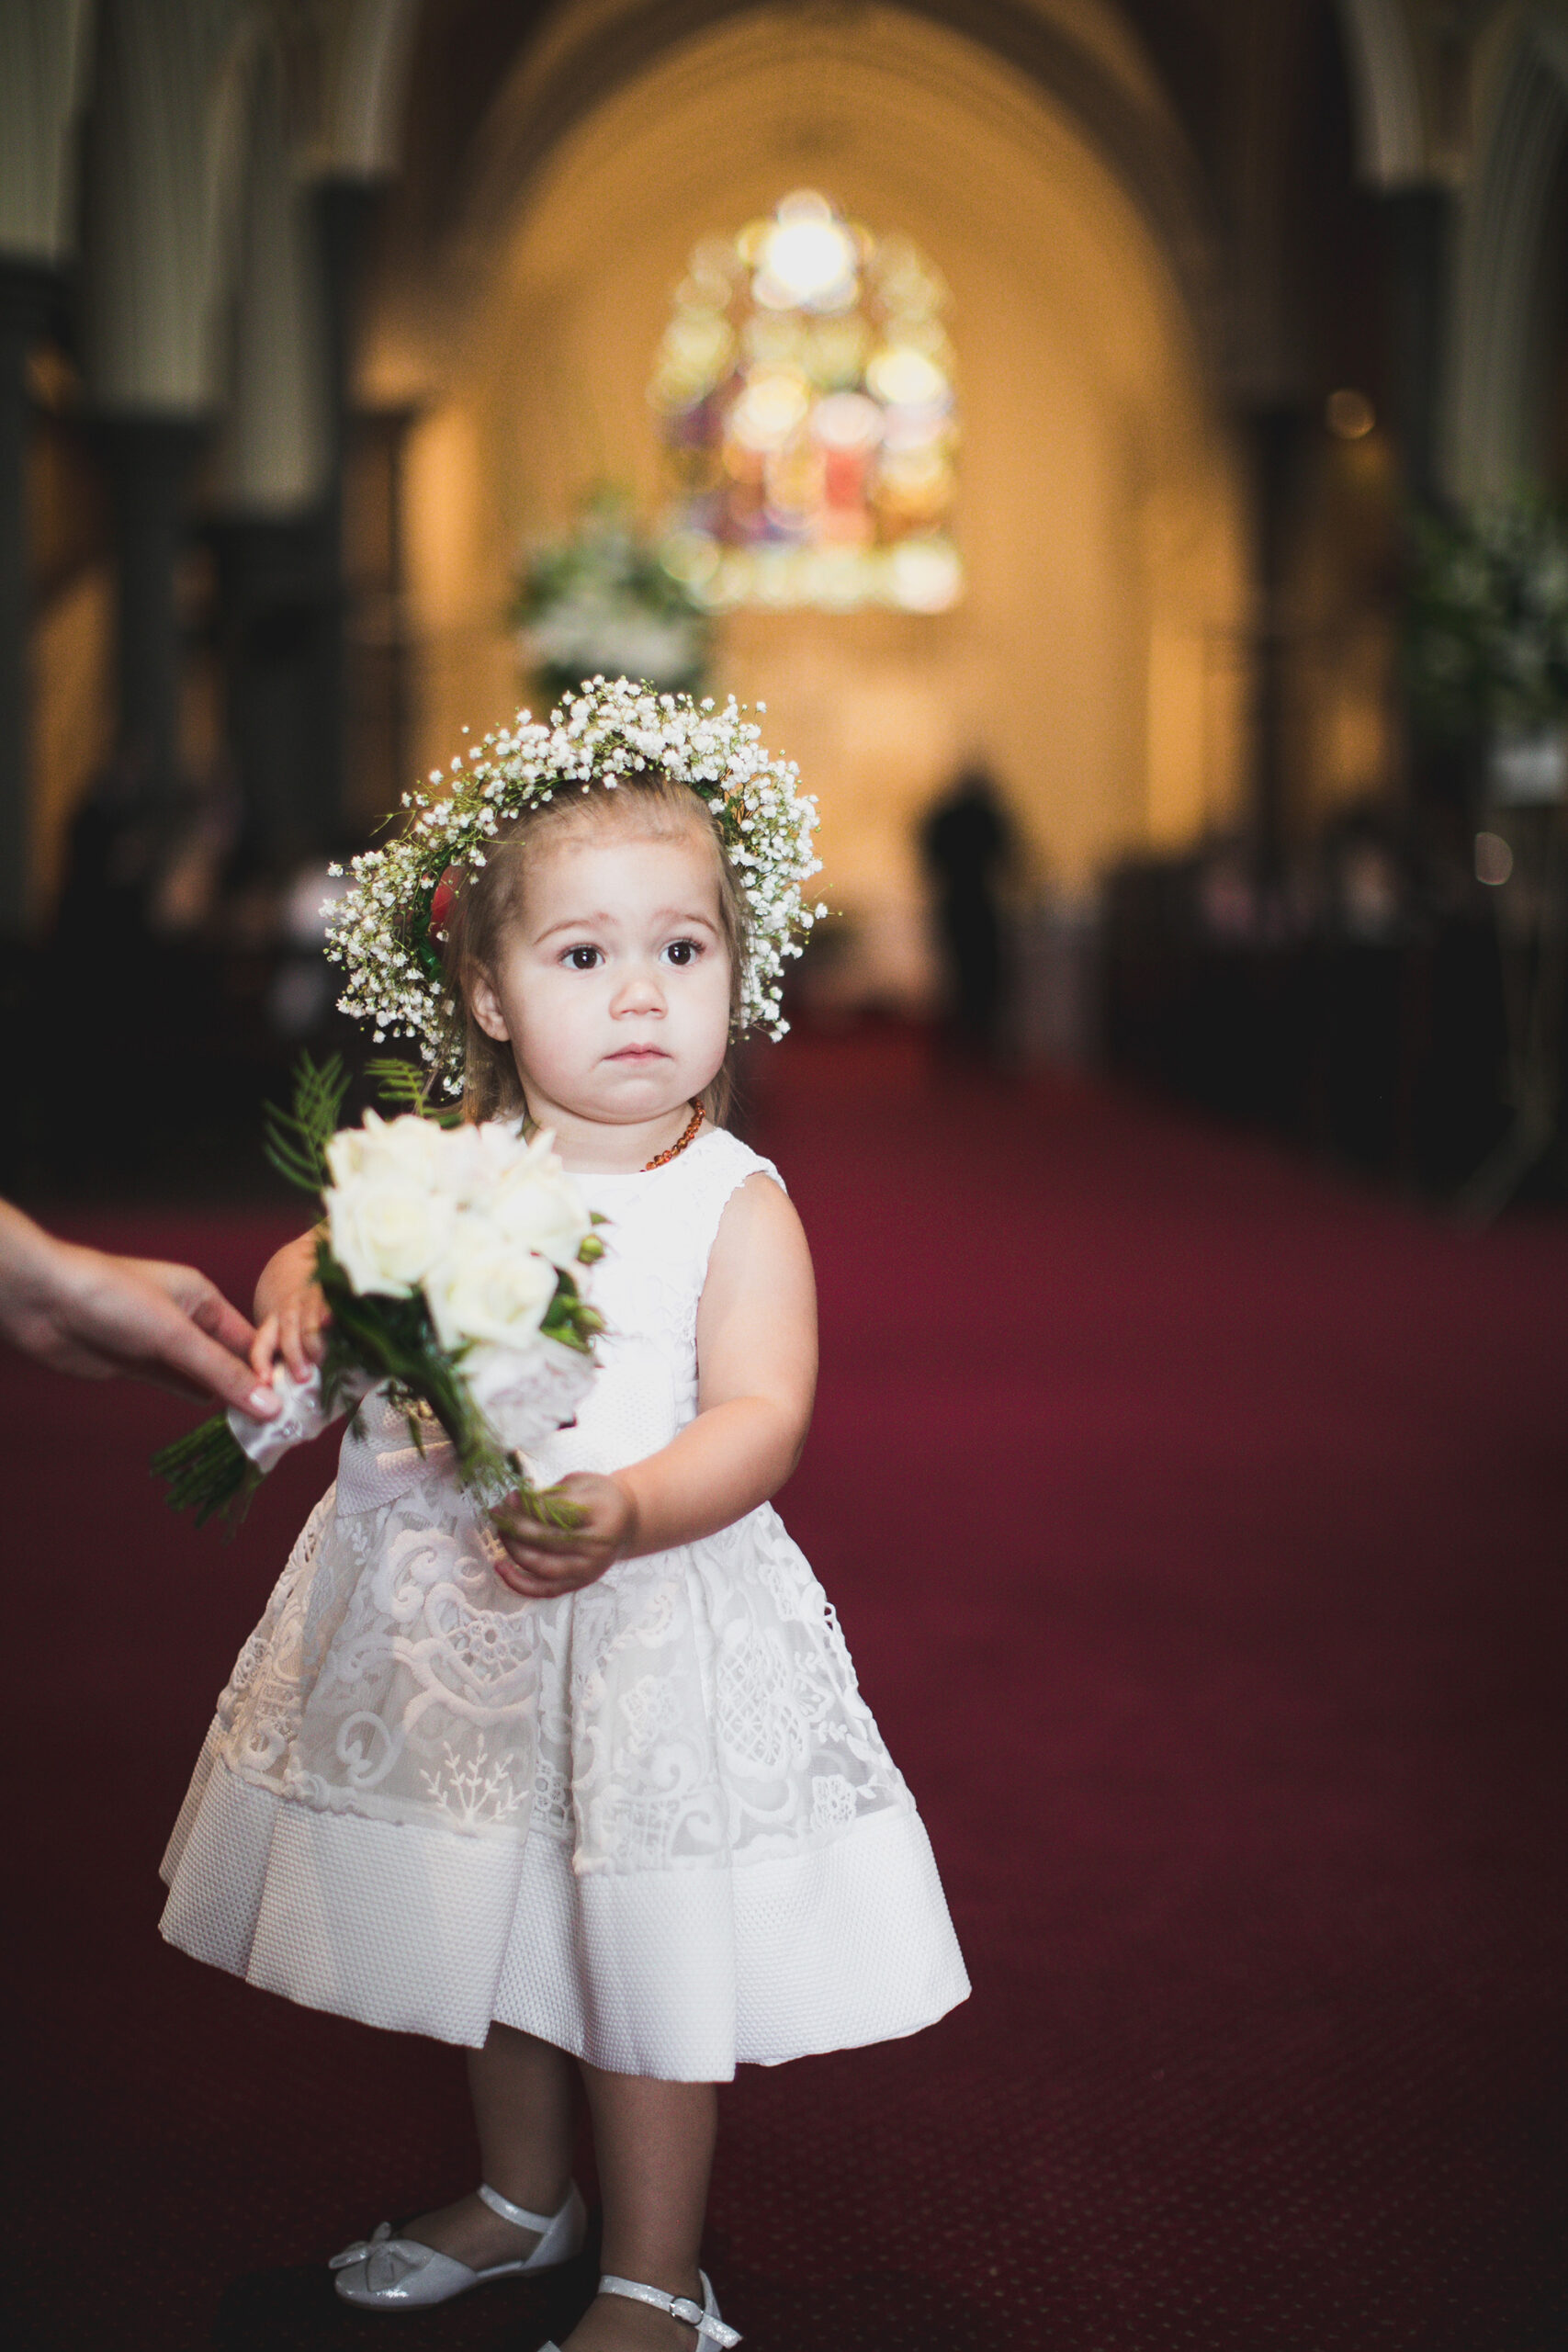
{"points": [[488, 898]]}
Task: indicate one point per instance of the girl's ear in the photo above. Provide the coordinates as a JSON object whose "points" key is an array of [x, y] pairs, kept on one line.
{"points": [[485, 1006]]}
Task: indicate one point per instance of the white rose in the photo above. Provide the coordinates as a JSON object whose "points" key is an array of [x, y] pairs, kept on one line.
{"points": [[537, 1206], [387, 1233], [407, 1148], [473, 1159], [486, 1288]]}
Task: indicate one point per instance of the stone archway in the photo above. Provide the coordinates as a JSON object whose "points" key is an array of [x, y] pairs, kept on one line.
{"points": [[1093, 661], [1497, 403]]}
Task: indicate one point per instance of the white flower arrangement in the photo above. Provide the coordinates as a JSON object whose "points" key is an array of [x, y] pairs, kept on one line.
{"points": [[380, 931], [602, 599], [452, 1258], [1488, 623]]}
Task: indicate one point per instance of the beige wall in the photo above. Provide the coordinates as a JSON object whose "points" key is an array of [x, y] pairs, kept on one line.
{"points": [[1092, 661]]}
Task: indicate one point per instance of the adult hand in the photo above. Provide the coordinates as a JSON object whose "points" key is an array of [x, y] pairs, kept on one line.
{"points": [[547, 1561], [81, 1311]]}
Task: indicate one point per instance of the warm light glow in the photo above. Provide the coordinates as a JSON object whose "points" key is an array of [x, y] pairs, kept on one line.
{"points": [[926, 577], [1350, 415], [1494, 860], [768, 411], [805, 382], [847, 421], [905, 380], [806, 263]]}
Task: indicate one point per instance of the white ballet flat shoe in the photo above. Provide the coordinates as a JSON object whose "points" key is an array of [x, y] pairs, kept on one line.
{"points": [[383, 2273], [710, 2328]]}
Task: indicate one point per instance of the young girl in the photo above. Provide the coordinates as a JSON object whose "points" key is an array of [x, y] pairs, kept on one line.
{"points": [[604, 1804]]}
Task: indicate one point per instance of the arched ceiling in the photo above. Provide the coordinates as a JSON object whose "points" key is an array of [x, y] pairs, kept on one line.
{"points": [[1208, 112], [497, 89]]}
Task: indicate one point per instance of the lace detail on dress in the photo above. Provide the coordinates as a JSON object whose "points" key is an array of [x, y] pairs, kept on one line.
{"points": [[692, 1707]]}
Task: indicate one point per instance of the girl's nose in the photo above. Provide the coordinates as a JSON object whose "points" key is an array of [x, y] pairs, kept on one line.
{"points": [[640, 991]]}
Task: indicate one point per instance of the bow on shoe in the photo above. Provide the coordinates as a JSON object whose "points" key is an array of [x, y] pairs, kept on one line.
{"points": [[362, 2248], [388, 2260]]}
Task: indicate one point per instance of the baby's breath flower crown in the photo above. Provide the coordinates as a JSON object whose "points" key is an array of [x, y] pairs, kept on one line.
{"points": [[380, 931]]}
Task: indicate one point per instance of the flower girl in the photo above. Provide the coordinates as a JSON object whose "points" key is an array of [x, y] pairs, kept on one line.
{"points": [[602, 1802]]}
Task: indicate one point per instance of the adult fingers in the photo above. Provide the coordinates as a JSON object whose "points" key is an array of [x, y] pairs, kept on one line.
{"points": [[203, 1365], [198, 1298]]}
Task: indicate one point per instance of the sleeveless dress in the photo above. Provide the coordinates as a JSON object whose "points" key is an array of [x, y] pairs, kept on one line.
{"points": [[652, 1821]]}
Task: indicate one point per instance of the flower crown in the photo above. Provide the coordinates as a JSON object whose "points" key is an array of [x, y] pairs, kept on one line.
{"points": [[384, 931]]}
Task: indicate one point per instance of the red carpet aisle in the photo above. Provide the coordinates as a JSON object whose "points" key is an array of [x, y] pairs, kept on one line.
{"points": [[1198, 1528]]}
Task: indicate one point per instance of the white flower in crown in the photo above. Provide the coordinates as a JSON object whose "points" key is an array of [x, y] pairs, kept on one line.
{"points": [[379, 932]]}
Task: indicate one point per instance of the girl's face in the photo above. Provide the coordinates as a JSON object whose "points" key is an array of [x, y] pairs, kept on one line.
{"points": [[613, 981]]}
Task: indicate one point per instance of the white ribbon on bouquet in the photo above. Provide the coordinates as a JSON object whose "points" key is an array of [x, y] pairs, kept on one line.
{"points": [[525, 1394]]}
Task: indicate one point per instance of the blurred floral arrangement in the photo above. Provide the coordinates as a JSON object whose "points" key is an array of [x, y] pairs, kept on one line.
{"points": [[602, 601], [1488, 629]]}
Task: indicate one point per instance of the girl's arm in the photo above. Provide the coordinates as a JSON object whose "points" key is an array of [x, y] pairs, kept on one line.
{"points": [[291, 1313], [757, 1358]]}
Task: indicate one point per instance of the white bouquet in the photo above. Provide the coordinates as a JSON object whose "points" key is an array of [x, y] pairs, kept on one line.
{"points": [[449, 1256]]}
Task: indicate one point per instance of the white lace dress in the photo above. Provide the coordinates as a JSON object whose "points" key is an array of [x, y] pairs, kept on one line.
{"points": [[652, 1822]]}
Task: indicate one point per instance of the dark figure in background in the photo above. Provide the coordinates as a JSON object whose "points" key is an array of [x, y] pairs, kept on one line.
{"points": [[967, 841]]}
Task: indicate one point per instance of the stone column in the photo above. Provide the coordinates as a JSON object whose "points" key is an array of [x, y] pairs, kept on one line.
{"points": [[147, 460], [1419, 226], [271, 597], [1274, 434], [26, 293], [343, 210]]}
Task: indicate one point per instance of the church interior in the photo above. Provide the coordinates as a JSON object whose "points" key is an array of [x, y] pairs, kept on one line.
{"points": [[331, 329], [1122, 446]]}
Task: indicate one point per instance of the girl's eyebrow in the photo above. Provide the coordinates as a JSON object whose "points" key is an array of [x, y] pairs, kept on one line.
{"points": [[603, 921]]}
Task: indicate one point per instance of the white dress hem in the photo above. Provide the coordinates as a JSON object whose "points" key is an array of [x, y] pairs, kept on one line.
{"points": [[418, 1932]]}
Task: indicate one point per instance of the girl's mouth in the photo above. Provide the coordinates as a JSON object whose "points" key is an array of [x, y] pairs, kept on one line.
{"points": [[640, 1054]]}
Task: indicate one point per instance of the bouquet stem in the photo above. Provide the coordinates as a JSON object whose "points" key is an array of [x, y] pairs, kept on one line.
{"points": [[545, 1506], [208, 1474]]}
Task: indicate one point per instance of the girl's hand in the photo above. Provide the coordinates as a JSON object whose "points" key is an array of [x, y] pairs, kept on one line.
{"points": [[548, 1561], [293, 1330]]}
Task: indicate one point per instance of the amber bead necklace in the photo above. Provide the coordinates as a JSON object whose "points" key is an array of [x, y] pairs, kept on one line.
{"points": [[687, 1135]]}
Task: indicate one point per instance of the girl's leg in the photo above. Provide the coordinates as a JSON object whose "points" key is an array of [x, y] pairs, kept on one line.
{"points": [[525, 2098], [654, 2143]]}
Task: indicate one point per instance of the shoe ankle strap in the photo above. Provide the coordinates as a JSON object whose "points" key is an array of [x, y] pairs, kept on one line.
{"points": [[518, 2215], [707, 2323]]}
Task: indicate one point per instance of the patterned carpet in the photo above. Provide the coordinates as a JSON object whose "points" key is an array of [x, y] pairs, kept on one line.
{"points": [[1198, 1528]]}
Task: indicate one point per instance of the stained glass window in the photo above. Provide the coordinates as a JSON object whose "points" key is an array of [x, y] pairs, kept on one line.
{"points": [[805, 386]]}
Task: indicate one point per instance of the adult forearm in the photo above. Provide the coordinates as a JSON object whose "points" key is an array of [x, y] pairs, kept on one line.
{"points": [[30, 1264], [79, 1311]]}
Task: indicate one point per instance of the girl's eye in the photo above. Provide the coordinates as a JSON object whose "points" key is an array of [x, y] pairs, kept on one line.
{"points": [[581, 959], [684, 950]]}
